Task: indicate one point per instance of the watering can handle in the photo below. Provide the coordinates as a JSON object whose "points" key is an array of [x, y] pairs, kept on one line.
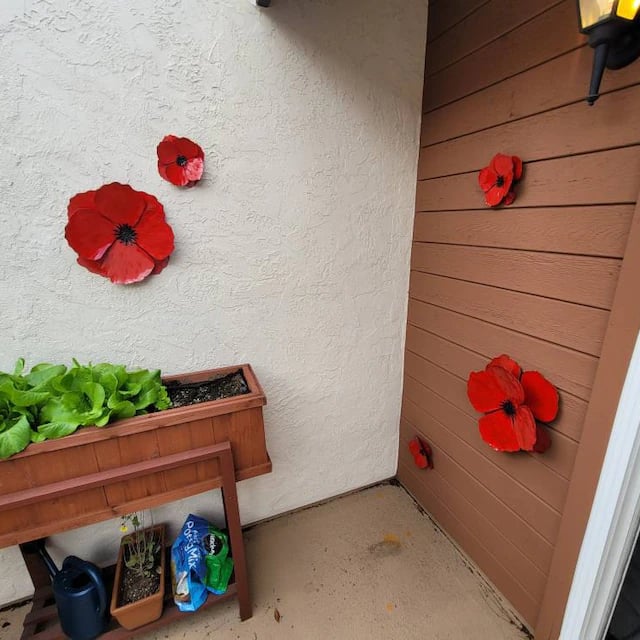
{"points": [[96, 577]]}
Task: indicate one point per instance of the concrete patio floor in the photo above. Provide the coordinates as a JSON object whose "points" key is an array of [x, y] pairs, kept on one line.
{"points": [[367, 566]]}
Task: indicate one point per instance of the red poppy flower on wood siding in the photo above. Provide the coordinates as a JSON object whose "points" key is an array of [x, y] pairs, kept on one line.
{"points": [[180, 161], [421, 453], [119, 233], [513, 401], [498, 179]]}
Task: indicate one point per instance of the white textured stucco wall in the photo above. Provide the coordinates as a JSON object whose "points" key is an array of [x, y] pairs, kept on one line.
{"points": [[293, 252]]}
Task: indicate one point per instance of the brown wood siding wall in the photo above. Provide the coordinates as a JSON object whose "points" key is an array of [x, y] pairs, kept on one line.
{"points": [[535, 280]]}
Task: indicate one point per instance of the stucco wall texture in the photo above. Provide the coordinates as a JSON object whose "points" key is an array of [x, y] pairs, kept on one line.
{"points": [[291, 254]]}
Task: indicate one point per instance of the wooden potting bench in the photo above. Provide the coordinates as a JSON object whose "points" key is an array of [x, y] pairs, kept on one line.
{"points": [[42, 622]]}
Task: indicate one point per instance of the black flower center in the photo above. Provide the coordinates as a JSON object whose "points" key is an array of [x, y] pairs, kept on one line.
{"points": [[509, 408], [181, 161], [500, 181], [126, 234]]}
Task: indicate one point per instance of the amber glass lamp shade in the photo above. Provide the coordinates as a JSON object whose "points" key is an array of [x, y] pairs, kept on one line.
{"points": [[613, 27]]}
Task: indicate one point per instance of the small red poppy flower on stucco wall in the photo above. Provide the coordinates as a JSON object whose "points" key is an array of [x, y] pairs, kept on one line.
{"points": [[513, 402], [180, 161], [119, 233], [498, 179]]}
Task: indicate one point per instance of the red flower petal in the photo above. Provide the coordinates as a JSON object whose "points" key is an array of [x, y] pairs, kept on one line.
{"points": [[174, 174], [543, 439], [126, 263], [89, 234], [525, 428], [167, 150], [506, 362], [488, 390], [120, 203], [194, 169], [159, 266], [188, 148], [510, 385], [497, 431], [541, 396], [484, 391], [495, 195], [81, 201], [154, 235], [517, 167], [509, 198], [95, 266], [502, 165], [487, 178]]}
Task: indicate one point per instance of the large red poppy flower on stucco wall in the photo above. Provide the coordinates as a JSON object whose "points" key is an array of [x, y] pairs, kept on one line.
{"points": [[119, 233], [514, 402]]}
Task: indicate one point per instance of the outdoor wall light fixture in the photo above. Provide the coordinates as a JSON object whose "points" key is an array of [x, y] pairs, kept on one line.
{"points": [[613, 27]]}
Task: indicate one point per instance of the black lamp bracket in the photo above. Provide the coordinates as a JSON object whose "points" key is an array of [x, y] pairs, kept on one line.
{"points": [[616, 44]]}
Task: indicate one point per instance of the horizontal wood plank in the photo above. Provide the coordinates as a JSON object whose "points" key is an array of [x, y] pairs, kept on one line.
{"points": [[523, 536], [522, 467], [605, 177], [574, 129], [491, 534], [503, 580], [458, 363], [579, 279], [497, 18], [523, 95], [569, 370], [597, 231], [541, 517], [551, 34], [445, 15], [563, 323]]}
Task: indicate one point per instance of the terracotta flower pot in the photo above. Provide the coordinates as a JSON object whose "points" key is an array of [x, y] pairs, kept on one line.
{"points": [[44, 489], [136, 614]]}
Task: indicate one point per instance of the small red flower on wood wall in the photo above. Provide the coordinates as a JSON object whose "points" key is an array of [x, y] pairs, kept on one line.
{"points": [[421, 453], [180, 161], [513, 401], [119, 233], [499, 178]]}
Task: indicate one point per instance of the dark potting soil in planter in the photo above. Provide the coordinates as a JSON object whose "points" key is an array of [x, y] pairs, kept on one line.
{"points": [[186, 393], [136, 587]]}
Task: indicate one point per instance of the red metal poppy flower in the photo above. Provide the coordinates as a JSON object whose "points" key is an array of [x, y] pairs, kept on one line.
{"points": [[119, 233], [421, 453], [498, 178], [180, 161], [508, 424], [540, 398]]}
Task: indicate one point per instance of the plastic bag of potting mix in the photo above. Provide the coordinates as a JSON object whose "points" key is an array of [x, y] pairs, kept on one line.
{"points": [[200, 562]]}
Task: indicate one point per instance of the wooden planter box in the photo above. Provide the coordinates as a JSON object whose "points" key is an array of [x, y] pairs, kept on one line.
{"points": [[26, 515]]}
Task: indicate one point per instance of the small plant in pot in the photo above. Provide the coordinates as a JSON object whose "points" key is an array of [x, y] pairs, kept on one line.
{"points": [[138, 588]]}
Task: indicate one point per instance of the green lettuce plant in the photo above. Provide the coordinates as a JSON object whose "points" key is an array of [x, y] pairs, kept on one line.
{"points": [[52, 400]]}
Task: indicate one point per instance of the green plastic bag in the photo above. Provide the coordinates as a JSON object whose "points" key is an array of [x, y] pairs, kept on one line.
{"points": [[219, 564]]}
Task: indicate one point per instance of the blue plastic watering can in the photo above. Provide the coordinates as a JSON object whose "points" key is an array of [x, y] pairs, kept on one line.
{"points": [[80, 595]]}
